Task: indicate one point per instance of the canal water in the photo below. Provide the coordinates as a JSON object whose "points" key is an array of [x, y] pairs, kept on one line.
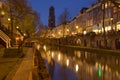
{"points": [[72, 64]]}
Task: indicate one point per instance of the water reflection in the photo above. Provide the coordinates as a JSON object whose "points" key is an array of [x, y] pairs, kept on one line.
{"points": [[59, 57], [77, 67], [71, 64]]}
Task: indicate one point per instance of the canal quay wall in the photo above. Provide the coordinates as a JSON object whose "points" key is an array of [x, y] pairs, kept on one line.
{"points": [[40, 71], [111, 39]]}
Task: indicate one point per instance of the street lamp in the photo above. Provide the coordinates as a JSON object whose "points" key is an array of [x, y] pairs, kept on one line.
{"points": [[76, 27], [9, 26], [17, 27], [24, 34], [9, 19]]}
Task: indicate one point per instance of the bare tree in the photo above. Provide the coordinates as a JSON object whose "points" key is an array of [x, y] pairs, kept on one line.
{"points": [[39, 26], [64, 17]]}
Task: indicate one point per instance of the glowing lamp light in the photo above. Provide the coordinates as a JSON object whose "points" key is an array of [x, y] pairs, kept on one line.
{"points": [[17, 27], [17, 38], [9, 19], [67, 30], [24, 34], [76, 27], [59, 32]]}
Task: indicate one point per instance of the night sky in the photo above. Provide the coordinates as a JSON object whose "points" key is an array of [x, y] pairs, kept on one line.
{"points": [[73, 6]]}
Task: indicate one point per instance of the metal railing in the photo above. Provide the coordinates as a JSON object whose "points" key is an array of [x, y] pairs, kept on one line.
{"points": [[5, 30], [5, 38]]}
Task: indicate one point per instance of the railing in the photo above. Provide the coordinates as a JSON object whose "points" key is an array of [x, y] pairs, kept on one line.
{"points": [[5, 38], [5, 30]]}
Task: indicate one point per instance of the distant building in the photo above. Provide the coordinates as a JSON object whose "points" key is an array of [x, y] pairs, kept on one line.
{"points": [[51, 20]]}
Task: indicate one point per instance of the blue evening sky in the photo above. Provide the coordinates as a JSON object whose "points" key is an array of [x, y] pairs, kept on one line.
{"points": [[73, 6]]}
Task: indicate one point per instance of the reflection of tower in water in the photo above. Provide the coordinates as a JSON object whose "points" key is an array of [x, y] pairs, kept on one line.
{"points": [[51, 66]]}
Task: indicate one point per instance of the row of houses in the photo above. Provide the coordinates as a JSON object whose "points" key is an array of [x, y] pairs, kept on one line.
{"points": [[98, 18]]}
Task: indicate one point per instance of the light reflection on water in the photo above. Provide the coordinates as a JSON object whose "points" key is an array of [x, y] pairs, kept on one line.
{"points": [[70, 64]]}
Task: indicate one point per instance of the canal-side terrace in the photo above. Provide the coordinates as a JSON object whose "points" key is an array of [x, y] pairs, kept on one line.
{"points": [[112, 39]]}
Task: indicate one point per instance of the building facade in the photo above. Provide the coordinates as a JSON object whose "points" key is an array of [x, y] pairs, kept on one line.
{"points": [[91, 19], [96, 26]]}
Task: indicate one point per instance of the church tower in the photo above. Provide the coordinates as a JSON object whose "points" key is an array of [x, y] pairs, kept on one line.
{"points": [[51, 20]]}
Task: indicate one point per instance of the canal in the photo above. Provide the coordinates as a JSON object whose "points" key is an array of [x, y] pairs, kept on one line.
{"points": [[72, 64]]}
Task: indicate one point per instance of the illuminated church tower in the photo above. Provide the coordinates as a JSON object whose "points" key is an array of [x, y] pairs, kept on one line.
{"points": [[51, 20]]}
